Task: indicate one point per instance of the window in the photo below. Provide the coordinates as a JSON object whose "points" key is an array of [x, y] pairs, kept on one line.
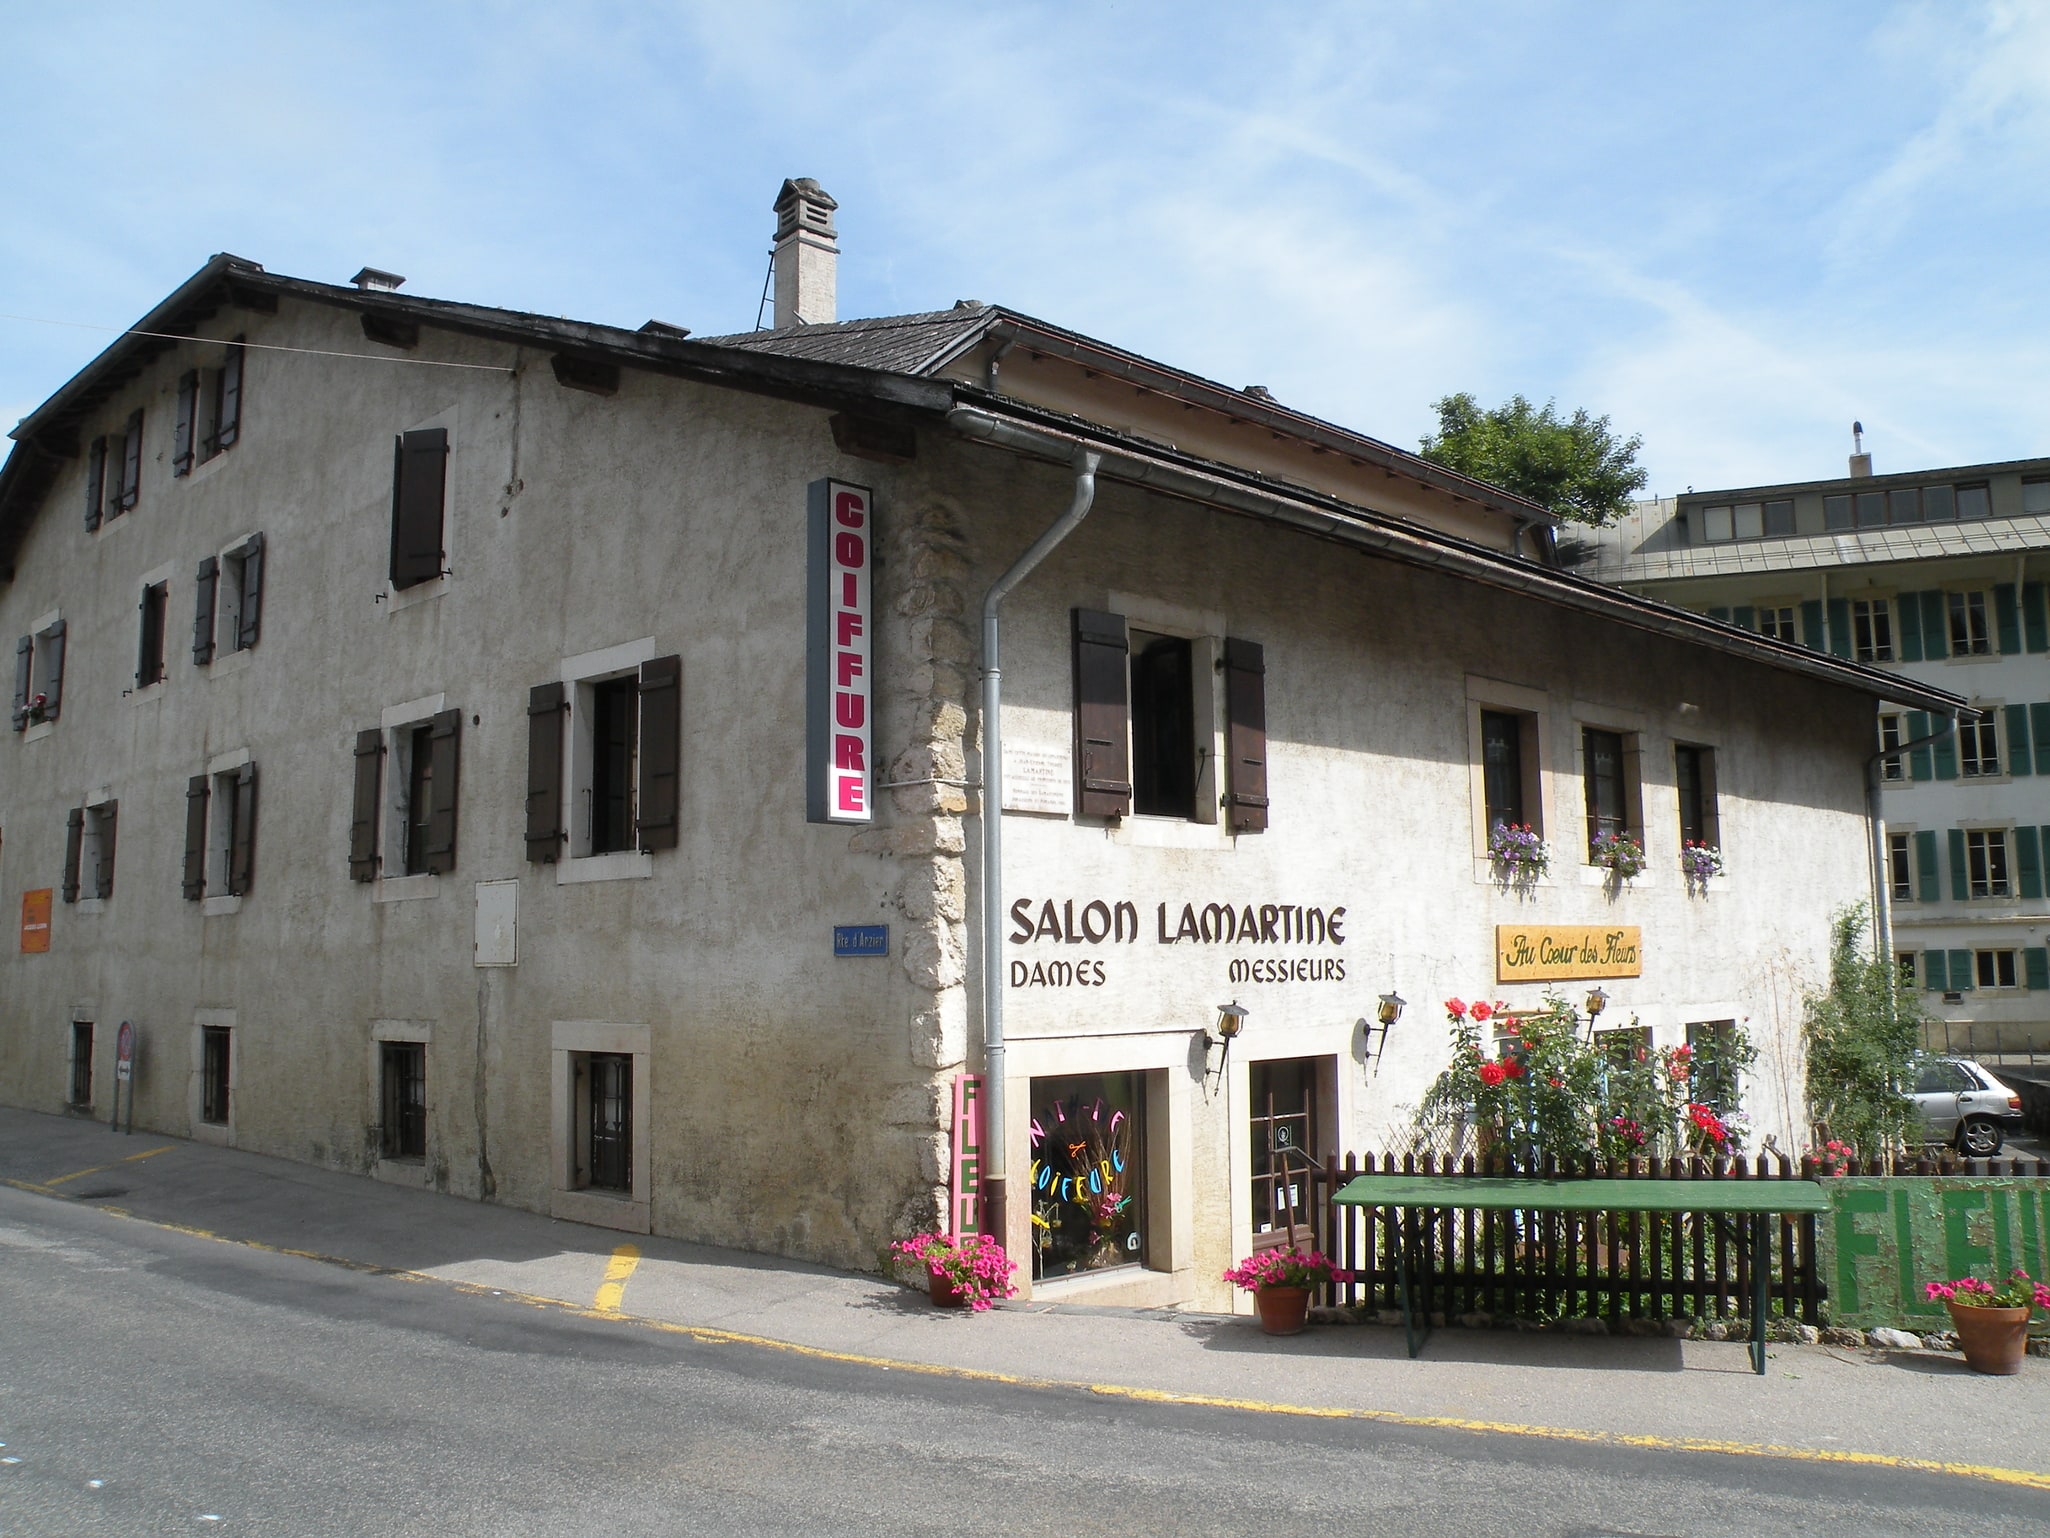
{"points": [[1836, 513], [1748, 520], [1283, 1121], [1973, 501], [1610, 793], [1994, 969], [1777, 622], [220, 831], [1163, 726], [1872, 629], [1716, 1069], [89, 851], [1986, 862], [1871, 506], [228, 614], [600, 1116], [1502, 767], [404, 824], [1624, 1046], [113, 473], [1779, 518], [214, 1068], [2036, 496], [1904, 505], [603, 1100], [1969, 635], [1717, 525], [1904, 968], [617, 748], [1892, 733], [1978, 745], [1939, 504], [418, 498], [1694, 780], [39, 674], [81, 1089], [149, 651], [615, 744], [1088, 1186], [402, 1094], [1900, 868]]}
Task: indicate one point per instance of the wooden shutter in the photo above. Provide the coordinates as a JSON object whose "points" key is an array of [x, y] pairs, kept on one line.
{"points": [[1928, 874], [1960, 971], [252, 593], [108, 817], [1811, 624], [1840, 627], [2019, 759], [1935, 976], [242, 847], [419, 480], [1960, 880], [545, 710], [1921, 766], [228, 416], [188, 413], [74, 838], [2039, 728], [1944, 749], [24, 672], [2035, 632], [1245, 713], [2007, 620], [2036, 968], [53, 668], [1744, 617], [195, 837], [131, 462], [203, 612], [446, 740], [1103, 715], [2028, 862], [656, 798], [95, 481], [363, 815], [1909, 639], [1935, 627]]}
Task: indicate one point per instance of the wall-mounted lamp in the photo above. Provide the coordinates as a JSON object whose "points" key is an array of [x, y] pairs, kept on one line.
{"points": [[1386, 1013], [1597, 1001], [1231, 1019]]}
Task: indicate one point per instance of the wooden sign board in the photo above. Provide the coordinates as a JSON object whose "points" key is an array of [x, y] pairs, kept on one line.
{"points": [[35, 919], [1543, 953]]}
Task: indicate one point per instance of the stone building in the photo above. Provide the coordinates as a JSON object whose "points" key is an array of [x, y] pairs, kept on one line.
{"points": [[544, 762]]}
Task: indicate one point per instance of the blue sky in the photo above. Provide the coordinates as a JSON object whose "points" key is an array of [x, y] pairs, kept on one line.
{"points": [[1733, 228]]}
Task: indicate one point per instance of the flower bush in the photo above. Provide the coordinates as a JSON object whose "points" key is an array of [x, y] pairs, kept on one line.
{"points": [[1285, 1268], [1834, 1157], [977, 1265], [2016, 1292], [1621, 854], [1518, 853], [37, 709], [1699, 861]]}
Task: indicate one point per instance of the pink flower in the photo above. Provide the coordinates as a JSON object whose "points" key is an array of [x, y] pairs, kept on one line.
{"points": [[1456, 1008], [1482, 1013], [1492, 1074]]}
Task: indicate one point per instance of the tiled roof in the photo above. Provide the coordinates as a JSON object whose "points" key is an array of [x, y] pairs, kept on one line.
{"points": [[900, 344]]}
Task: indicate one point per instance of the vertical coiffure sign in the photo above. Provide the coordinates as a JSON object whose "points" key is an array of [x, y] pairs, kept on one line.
{"points": [[838, 677]]}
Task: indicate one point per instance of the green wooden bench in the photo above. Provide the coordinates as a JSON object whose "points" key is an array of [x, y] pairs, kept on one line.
{"points": [[1759, 1200]]}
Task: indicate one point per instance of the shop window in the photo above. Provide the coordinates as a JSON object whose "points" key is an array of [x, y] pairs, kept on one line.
{"points": [[402, 1096], [81, 1089], [214, 1069], [1978, 746], [1892, 733], [1088, 1185], [1994, 969], [1283, 1120], [1872, 629]]}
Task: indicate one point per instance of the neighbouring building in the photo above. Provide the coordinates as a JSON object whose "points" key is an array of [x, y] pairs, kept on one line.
{"points": [[548, 766], [1937, 576]]}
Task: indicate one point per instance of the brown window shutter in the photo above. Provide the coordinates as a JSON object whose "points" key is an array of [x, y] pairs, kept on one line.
{"points": [[252, 592], [195, 837], [95, 481], [441, 813], [242, 850], [131, 462], [203, 612], [228, 417], [545, 711], [661, 751], [363, 818], [74, 838], [419, 481], [24, 672], [1103, 715], [188, 412], [1245, 708], [109, 815], [53, 668]]}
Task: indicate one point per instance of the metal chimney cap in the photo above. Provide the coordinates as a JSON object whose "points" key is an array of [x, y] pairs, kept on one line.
{"points": [[378, 278]]}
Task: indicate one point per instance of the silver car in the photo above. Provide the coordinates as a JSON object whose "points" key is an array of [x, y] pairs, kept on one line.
{"points": [[1962, 1103]]}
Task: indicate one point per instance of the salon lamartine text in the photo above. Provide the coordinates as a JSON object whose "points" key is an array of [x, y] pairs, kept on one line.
{"points": [[1096, 922]]}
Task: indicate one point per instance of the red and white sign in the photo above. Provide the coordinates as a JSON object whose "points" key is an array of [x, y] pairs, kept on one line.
{"points": [[840, 661]]}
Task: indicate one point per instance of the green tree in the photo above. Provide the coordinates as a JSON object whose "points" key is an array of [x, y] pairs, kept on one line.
{"points": [[1861, 1034], [1576, 467]]}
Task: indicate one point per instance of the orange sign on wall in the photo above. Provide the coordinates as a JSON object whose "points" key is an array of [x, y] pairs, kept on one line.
{"points": [[1552, 952], [35, 919]]}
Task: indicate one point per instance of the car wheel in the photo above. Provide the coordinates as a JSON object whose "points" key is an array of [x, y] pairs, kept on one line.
{"points": [[1979, 1138]]}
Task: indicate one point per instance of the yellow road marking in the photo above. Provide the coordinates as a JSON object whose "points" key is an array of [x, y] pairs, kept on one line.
{"points": [[617, 1270], [2027, 1479], [147, 1153]]}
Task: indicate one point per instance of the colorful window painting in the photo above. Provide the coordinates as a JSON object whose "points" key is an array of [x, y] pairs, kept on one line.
{"points": [[1088, 1200]]}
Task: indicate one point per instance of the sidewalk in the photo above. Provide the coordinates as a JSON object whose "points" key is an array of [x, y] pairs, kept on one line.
{"points": [[1877, 1406]]}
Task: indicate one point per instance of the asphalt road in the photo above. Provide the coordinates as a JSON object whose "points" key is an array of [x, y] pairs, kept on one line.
{"points": [[156, 1382]]}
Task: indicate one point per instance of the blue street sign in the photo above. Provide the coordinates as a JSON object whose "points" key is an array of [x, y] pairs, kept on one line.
{"points": [[861, 939]]}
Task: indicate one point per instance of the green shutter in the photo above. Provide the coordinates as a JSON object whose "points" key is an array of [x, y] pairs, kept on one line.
{"points": [[1811, 625], [1839, 627], [1744, 617], [1920, 765], [1959, 888], [2007, 620], [2036, 968], [2039, 728], [1928, 874], [1935, 627], [2028, 865], [1945, 749], [1960, 971], [1910, 607], [1934, 978], [1720, 616], [2034, 631], [2017, 739]]}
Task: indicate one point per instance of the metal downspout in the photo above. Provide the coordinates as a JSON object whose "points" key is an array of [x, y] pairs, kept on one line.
{"points": [[996, 1141]]}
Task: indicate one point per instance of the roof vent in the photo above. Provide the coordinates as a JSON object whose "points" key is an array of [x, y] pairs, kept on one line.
{"points": [[1861, 462], [376, 278], [807, 256], [1258, 392], [663, 328]]}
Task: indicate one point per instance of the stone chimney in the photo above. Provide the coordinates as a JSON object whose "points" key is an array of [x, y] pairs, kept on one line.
{"points": [[1861, 462], [807, 257]]}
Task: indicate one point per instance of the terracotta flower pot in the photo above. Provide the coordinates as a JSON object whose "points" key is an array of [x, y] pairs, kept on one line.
{"points": [[941, 1289], [1282, 1310], [1993, 1340]]}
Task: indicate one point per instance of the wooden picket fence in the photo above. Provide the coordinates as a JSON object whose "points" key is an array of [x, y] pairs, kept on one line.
{"points": [[1613, 1265]]}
